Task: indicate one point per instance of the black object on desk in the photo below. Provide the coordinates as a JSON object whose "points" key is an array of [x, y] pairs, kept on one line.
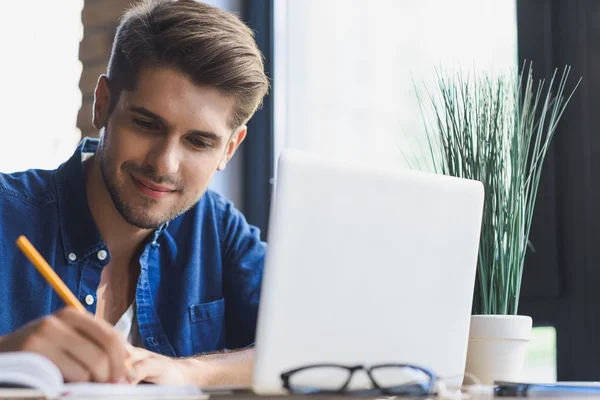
{"points": [[514, 389]]}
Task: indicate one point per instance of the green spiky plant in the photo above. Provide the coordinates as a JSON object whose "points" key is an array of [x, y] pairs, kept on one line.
{"points": [[496, 129]]}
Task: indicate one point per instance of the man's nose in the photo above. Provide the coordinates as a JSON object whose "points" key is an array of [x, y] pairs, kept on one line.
{"points": [[165, 157]]}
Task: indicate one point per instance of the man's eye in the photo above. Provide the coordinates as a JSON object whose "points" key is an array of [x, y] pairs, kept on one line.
{"points": [[144, 124], [199, 143]]}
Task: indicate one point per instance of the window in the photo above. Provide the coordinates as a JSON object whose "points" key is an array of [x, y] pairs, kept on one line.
{"points": [[39, 77], [345, 76], [540, 359], [344, 69]]}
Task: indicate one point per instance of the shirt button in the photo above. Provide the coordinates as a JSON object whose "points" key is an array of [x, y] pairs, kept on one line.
{"points": [[72, 256], [102, 255], [89, 299]]}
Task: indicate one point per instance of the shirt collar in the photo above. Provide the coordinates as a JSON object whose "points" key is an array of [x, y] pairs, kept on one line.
{"points": [[80, 235]]}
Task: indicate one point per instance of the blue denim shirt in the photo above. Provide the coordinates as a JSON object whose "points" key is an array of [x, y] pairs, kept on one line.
{"points": [[200, 277]]}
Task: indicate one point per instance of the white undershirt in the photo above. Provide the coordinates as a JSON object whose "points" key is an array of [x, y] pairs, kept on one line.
{"points": [[128, 326]]}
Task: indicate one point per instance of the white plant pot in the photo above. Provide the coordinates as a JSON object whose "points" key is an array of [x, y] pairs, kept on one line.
{"points": [[497, 345]]}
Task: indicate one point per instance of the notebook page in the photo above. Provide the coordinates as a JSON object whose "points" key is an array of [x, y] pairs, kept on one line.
{"points": [[97, 390], [30, 370]]}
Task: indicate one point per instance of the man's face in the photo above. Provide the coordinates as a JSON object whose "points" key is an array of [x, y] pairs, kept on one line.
{"points": [[162, 144]]}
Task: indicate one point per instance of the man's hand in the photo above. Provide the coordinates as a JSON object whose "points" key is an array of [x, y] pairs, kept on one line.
{"points": [[156, 368], [82, 347], [224, 368]]}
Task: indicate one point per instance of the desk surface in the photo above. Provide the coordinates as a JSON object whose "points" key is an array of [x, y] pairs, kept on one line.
{"points": [[248, 395]]}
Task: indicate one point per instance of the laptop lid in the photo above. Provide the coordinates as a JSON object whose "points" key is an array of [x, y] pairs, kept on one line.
{"points": [[366, 265]]}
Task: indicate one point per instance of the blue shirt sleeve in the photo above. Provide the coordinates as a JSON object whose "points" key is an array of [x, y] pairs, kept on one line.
{"points": [[243, 260]]}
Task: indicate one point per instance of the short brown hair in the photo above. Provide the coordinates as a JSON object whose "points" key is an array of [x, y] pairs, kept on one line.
{"points": [[212, 47]]}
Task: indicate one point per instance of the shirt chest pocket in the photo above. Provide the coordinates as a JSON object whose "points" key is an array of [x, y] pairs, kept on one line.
{"points": [[207, 321]]}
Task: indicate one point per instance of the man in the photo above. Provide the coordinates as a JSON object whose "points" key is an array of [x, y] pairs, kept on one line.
{"points": [[127, 222]]}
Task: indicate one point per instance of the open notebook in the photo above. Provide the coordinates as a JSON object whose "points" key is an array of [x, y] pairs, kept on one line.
{"points": [[37, 374]]}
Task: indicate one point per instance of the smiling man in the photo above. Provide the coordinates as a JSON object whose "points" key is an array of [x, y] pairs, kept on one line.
{"points": [[169, 271]]}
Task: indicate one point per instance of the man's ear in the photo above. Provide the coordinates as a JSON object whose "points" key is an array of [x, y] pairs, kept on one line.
{"points": [[236, 139], [101, 102]]}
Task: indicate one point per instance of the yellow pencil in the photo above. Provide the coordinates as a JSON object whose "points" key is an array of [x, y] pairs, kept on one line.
{"points": [[57, 284], [48, 273]]}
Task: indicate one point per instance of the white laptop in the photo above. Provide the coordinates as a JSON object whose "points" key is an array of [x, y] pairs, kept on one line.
{"points": [[366, 266]]}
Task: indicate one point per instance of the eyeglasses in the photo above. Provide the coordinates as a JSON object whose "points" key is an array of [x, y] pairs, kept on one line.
{"points": [[385, 379]]}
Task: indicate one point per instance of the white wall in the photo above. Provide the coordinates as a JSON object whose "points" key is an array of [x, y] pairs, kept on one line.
{"points": [[39, 81]]}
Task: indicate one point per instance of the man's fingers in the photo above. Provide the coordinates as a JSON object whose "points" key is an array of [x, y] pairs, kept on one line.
{"points": [[71, 369], [146, 369], [84, 351], [137, 354], [104, 335], [54, 337], [155, 368], [81, 346]]}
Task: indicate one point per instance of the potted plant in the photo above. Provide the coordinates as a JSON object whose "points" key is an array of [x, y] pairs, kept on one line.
{"points": [[496, 128]]}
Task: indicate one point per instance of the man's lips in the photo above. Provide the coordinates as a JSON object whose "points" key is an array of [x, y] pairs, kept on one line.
{"points": [[152, 189]]}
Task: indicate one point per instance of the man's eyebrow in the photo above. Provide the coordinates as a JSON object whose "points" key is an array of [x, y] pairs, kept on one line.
{"points": [[213, 137], [147, 113], [207, 135]]}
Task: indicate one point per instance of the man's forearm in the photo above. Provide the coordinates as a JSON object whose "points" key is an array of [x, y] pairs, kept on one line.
{"points": [[224, 368]]}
